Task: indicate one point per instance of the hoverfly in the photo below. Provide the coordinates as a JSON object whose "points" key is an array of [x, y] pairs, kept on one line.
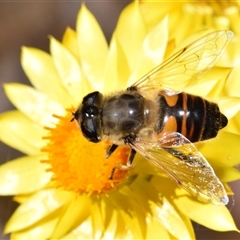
{"points": [[160, 121]]}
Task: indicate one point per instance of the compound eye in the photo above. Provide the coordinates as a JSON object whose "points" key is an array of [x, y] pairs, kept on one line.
{"points": [[94, 98], [90, 129], [90, 111], [90, 120]]}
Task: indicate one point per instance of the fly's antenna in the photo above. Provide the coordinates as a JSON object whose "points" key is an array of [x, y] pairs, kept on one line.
{"points": [[75, 115]]}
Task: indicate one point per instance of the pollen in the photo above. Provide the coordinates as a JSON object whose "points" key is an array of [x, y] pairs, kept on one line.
{"points": [[79, 165]]}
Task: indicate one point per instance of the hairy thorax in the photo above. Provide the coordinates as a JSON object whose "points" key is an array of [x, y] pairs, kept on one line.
{"points": [[127, 113]]}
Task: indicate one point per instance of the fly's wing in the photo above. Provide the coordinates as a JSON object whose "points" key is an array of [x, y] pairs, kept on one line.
{"points": [[182, 162], [187, 65]]}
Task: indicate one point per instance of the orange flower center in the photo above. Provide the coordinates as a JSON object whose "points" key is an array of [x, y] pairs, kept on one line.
{"points": [[79, 165]]}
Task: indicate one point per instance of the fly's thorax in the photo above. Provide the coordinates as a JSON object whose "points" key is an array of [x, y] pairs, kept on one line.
{"points": [[123, 113], [127, 113]]}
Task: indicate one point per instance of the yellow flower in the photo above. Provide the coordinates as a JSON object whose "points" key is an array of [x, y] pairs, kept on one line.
{"points": [[188, 17], [142, 203]]}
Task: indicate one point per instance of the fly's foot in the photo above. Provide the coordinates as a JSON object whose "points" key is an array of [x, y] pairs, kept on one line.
{"points": [[121, 167]]}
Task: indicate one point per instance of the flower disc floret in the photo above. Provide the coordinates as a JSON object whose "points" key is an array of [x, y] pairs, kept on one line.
{"points": [[79, 165]]}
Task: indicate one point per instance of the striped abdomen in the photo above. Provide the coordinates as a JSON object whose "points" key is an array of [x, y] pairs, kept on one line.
{"points": [[194, 117]]}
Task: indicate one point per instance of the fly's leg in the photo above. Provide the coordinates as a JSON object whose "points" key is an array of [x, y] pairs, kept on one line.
{"points": [[110, 150], [124, 167], [127, 140]]}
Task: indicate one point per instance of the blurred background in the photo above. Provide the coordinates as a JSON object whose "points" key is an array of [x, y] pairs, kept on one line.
{"points": [[29, 23]]}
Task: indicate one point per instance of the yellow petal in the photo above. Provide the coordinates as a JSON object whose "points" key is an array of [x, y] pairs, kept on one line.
{"points": [[133, 230], [230, 106], [211, 84], [74, 214], [70, 42], [131, 31], [142, 166], [93, 48], [235, 124], [122, 232], [40, 230], [161, 210], [117, 70], [69, 71], [42, 73], [142, 195], [140, 216], [188, 223], [217, 218], [97, 222], [36, 105], [167, 187], [224, 172], [131, 222], [222, 22], [113, 222], [186, 19], [156, 230], [225, 148], [84, 231], [15, 175], [220, 83], [231, 58], [171, 220], [152, 51], [233, 16], [232, 85], [22, 198], [203, 87], [40, 205], [19, 132], [111, 231], [154, 11]]}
